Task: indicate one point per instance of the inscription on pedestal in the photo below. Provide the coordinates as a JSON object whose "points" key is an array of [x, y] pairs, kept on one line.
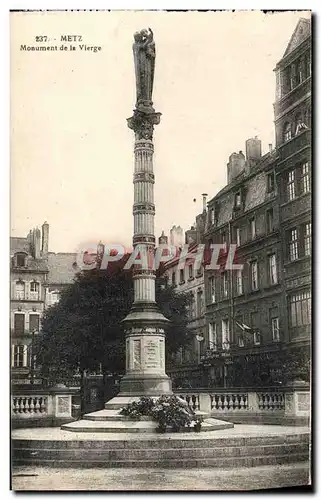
{"points": [[151, 354]]}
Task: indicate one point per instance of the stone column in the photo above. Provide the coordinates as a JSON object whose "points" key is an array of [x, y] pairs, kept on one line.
{"points": [[145, 325]]}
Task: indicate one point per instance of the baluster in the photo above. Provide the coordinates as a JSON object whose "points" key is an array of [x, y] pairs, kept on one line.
{"points": [[260, 401], [13, 405], [241, 402], [212, 402], [22, 405], [282, 402], [225, 402], [44, 408], [194, 402], [198, 406], [37, 405], [275, 402], [31, 406], [26, 405], [219, 402], [246, 401], [188, 400]]}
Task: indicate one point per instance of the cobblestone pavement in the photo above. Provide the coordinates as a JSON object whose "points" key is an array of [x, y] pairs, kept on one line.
{"points": [[43, 478]]}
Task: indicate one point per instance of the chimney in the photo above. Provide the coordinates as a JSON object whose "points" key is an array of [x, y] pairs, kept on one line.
{"points": [[191, 236], [37, 240], [235, 166], [163, 240], [45, 238], [204, 201], [270, 148], [253, 149]]}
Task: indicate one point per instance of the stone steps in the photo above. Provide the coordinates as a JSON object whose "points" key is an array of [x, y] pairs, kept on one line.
{"points": [[170, 441], [121, 454], [165, 463], [100, 424], [174, 451]]}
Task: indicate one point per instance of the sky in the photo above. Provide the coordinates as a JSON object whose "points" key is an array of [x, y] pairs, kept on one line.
{"points": [[71, 150]]}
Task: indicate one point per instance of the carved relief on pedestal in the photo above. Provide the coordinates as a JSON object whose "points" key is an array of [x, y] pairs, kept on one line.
{"points": [[63, 406]]}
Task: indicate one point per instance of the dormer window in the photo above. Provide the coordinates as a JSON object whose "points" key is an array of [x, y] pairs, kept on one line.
{"points": [[21, 259]]}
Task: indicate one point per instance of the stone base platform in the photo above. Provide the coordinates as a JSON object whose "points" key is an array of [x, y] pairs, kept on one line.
{"points": [[110, 420], [241, 446]]}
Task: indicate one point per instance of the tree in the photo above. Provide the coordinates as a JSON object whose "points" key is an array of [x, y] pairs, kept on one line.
{"points": [[84, 330]]}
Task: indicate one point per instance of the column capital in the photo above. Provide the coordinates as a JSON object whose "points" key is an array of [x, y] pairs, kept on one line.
{"points": [[142, 123]]}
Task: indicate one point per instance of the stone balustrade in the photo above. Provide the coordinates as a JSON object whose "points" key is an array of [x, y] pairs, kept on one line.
{"points": [[242, 405], [27, 406], [33, 405]]}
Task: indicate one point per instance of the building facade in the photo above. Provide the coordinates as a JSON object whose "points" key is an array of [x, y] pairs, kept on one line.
{"points": [[28, 278], [37, 277], [260, 315]]}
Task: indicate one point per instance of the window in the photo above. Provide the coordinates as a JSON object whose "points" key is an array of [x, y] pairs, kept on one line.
{"points": [[269, 220], [18, 356], [301, 71], [181, 276], [53, 297], [212, 216], [238, 199], [240, 341], [305, 178], [34, 290], [21, 260], [20, 290], [199, 303], [33, 323], [293, 247], [300, 309], [239, 282], [254, 318], [273, 269], [211, 286], [291, 185], [19, 323], [190, 271], [238, 236], [191, 311], [275, 329], [271, 182], [224, 241], [174, 278], [307, 239], [212, 336], [287, 133], [225, 334], [225, 284], [254, 275], [256, 337], [252, 228]]}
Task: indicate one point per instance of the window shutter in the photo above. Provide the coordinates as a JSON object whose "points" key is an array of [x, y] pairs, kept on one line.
{"points": [[25, 356], [12, 355]]}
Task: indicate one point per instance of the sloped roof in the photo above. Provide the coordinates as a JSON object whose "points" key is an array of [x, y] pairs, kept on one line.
{"points": [[62, 268], [19, 245], [301, 33]]}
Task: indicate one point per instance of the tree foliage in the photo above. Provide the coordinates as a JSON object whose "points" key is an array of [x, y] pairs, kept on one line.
{"points": [[84, 330]]}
